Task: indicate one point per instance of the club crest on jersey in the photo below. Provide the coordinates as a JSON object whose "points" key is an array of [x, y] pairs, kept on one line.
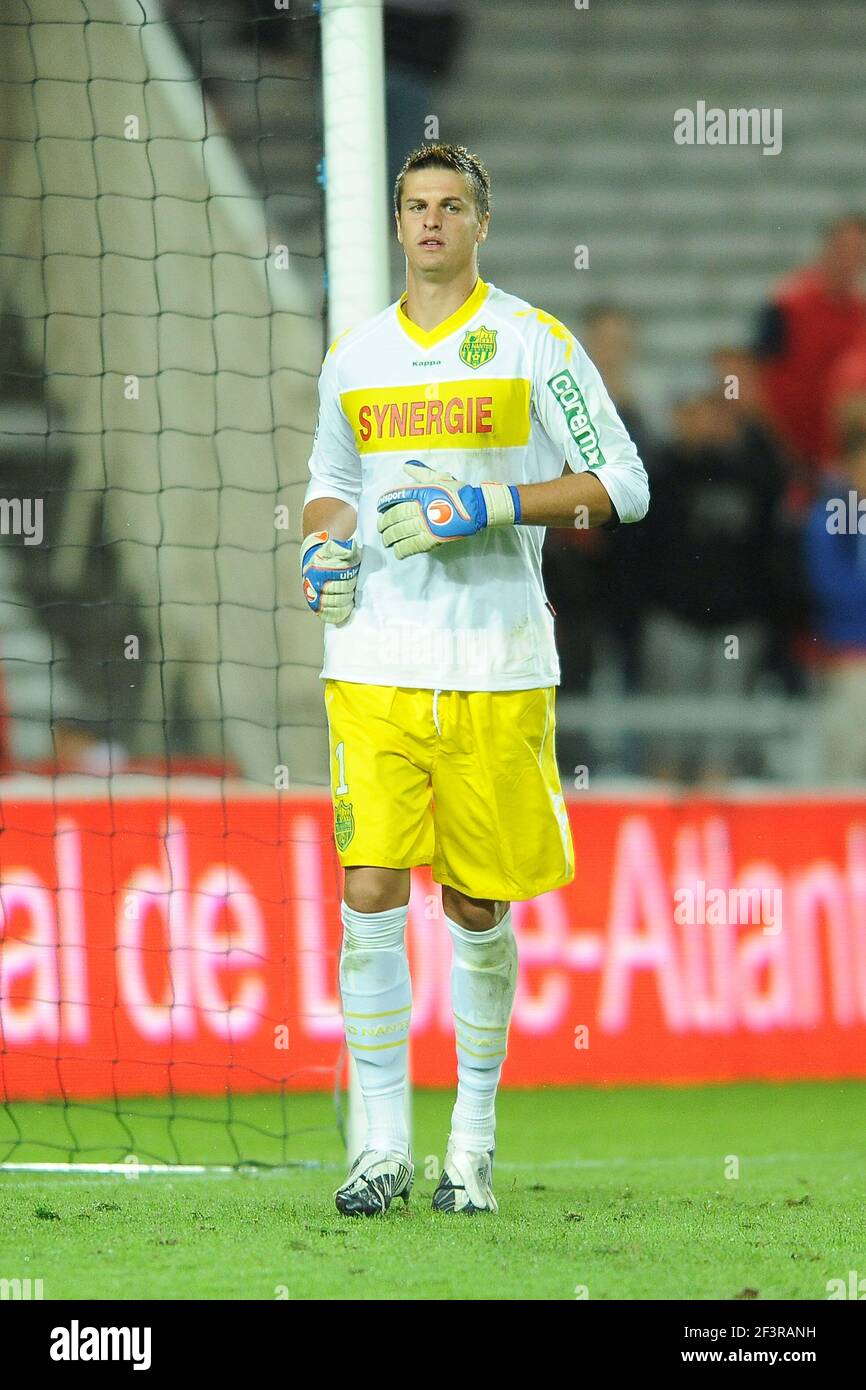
{"points": [[478, 346], [344, 823]]}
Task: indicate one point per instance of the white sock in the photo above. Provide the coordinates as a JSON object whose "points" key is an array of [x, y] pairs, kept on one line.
{"points": [[377, 1002], [483, 985]]}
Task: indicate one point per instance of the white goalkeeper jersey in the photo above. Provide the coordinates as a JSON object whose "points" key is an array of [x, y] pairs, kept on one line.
{"points": [[498, 392]]}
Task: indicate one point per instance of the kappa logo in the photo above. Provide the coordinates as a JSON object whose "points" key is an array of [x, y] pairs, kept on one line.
{"points": [[439, 512], [478, 346]]}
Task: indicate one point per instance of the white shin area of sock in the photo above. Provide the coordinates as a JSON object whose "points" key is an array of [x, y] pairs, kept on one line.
{"points": [[483, 985], [377, 1002]]}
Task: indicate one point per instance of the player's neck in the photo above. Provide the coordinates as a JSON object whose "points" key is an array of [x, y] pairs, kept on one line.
{"points": [[429, 303]]}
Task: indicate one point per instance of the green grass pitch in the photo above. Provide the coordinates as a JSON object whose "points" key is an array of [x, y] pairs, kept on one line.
{"points": [[605, 1194]]}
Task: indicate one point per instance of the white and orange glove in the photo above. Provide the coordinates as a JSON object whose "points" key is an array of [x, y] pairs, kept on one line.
{"points": [[329, 575]]}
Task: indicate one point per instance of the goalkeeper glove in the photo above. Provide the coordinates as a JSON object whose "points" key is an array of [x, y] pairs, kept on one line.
{"points": [[329, 573], [441, 508]]}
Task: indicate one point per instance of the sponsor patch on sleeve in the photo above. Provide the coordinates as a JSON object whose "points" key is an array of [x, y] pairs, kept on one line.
{"points": [[580, 426]]}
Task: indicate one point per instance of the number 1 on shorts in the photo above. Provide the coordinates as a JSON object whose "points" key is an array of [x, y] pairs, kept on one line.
{"points": [[339, 754]]}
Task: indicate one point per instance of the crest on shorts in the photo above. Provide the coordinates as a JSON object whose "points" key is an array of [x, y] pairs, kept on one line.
{"points": [[344, 823], [478, 346]]}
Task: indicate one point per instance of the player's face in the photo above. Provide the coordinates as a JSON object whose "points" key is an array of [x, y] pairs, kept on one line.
{"points": [[438, 225]]}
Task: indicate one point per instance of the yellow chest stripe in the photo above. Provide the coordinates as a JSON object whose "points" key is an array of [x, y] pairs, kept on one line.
{"points": [[487, 414]]}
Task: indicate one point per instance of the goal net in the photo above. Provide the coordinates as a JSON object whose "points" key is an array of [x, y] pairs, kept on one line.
{"points": [[168, 886]]}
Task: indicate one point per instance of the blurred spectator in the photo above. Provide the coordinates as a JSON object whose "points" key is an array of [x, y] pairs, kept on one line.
{"points": [[836, 558], [815, 315], [608, 337], [738, 375], [846, 397], [706, 572], [592, 576]]}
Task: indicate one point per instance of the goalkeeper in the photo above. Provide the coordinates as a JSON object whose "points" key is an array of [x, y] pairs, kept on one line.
{"points": [[453, 428]]}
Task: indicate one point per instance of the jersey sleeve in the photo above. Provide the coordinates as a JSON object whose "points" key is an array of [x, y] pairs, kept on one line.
{"points": [[576, 412], [335, 465]]}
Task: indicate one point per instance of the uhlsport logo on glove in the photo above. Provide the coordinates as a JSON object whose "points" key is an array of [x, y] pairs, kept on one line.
{"points": [[329, 575]]}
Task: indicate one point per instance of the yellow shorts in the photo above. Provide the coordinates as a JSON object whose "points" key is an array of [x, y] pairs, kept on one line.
{"points": [[465, 780]]}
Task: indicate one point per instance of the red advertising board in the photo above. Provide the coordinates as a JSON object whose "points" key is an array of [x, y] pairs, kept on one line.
{"points": [[191, 944]]}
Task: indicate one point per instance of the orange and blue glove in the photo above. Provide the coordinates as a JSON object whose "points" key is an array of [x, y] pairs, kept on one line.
{"points": [[329, 575], [441, 508]]}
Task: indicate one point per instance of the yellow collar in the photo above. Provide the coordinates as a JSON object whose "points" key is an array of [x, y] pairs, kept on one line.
{"points": [[447, 326]]}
